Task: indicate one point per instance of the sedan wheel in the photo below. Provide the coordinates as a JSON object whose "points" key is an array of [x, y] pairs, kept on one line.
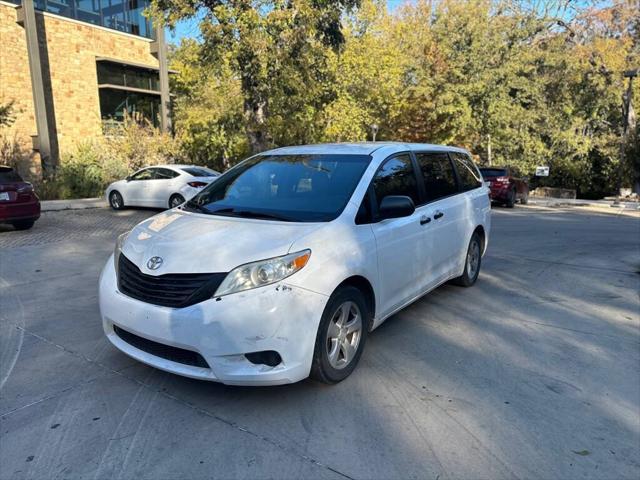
{"points": [[176, 200], [115, 201]]}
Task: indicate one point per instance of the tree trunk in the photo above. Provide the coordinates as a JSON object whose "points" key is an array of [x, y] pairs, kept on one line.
{"points": [[257, 135]]}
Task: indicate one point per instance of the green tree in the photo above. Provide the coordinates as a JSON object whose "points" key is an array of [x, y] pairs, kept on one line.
{"points": [[274, 48]]}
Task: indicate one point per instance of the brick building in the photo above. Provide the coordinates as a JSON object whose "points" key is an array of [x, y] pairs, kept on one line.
{"points": [[73, 67]]}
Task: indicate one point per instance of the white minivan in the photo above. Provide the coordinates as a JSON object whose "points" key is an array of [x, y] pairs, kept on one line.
{"points": [[280, 268]]}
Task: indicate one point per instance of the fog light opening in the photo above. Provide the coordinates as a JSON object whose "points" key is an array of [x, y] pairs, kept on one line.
{"points": [[271, 358]]}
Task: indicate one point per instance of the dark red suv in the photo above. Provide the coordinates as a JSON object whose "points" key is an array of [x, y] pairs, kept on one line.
{"points": [[505, 186], [19, 204]]}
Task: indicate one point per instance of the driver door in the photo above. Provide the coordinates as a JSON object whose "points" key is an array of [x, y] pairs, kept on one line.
{"points": [[399, 241], [137, 187]]}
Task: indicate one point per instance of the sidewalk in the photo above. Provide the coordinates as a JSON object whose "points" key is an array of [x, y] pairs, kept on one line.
{"points": [[75, 204], [599, 206]]}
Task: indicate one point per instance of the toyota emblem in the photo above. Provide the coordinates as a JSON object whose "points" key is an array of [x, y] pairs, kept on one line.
{"points": [[154, 263]]}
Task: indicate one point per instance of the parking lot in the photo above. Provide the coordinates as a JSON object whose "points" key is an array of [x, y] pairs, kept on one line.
{"points": [[532, 373]]}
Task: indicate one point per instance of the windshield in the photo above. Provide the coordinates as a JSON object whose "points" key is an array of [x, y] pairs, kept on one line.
{"points": [[493, 172], [9, 175], [296, 188]]}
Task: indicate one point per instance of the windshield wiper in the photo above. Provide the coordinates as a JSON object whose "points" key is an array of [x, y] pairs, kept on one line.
{"points": [[194, 207], [232, 212]]}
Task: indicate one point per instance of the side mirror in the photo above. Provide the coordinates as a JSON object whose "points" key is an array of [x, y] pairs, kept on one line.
{"points": [[396, 206], [128, 179]]}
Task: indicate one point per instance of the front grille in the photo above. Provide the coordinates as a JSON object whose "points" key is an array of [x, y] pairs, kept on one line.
{"points": [[174, 354], [177, 290]]}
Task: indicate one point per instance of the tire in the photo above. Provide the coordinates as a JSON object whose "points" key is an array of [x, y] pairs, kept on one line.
{"points": [[23, 224], [332, 362], [115, 200], [472, 263], [525, 199], [511, 201], [176, 200]]}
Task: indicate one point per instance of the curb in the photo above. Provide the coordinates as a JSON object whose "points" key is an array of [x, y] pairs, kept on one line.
{"points": [[75, 204]]}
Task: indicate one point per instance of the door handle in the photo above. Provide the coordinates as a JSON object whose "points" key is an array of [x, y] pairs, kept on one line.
{"points": [[424, 220], [438, 215]]}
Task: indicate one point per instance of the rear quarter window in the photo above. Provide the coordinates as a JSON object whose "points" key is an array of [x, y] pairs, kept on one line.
{"points": [[468, 173]]}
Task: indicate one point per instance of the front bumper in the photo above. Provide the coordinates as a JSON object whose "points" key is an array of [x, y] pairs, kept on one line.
{"points": [[278, 317]]}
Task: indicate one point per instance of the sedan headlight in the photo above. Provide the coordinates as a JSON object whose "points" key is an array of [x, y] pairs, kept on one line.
{"points": [[118, 249], [264, 272]]}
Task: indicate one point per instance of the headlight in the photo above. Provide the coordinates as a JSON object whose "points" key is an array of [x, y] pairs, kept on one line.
{"points": [[118, 249], [264, 272]]}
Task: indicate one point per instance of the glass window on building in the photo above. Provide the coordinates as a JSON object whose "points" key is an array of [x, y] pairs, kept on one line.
{"points": [[123, 15], [128, 91]]}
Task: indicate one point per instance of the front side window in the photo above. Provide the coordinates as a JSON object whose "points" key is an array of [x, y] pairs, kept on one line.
{"points": [[297, 188], [467, 171], [146, 174], [396, 177], [439, 177]]}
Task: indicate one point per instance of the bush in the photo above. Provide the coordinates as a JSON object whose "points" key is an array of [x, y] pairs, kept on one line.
{"points": [[88, 170]]}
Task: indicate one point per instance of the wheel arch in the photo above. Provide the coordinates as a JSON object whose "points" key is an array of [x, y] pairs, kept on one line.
{"points": [[364, 285], [483, 237]]}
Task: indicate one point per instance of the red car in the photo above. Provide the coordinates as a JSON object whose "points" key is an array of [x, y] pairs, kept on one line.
{"points": [[505, 186], [19, 204]]}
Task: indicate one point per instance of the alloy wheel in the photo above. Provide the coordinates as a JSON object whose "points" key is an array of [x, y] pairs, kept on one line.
{"points": [[473, 259], [343, 335]]}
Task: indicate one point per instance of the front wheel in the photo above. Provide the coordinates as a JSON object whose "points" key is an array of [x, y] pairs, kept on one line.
{"points": [[115, 200], [472, 263], [341, 336]]}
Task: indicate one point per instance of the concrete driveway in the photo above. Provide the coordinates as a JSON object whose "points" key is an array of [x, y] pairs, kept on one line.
{"points": [[532, 373]]}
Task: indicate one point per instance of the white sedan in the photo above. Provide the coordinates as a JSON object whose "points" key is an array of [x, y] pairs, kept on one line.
{"points": [[160, 186]]}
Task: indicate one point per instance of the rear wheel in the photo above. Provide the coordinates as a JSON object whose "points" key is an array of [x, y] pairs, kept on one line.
{"points": [[176, 200], [472, 263], [23, 224], [341, 336], [115, 200], [511, 201]]}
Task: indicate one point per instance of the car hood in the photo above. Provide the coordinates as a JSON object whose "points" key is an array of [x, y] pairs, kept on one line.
{"points": [[195, 243]]}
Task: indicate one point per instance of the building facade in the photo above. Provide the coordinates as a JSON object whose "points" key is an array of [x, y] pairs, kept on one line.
{"points": [[73, 68]]}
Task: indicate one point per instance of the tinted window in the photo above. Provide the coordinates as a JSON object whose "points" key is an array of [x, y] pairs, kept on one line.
{"points": [[396, 177], [200, 172], [493, 172], [467, 171], [299, 188], [8, 175], [439, 178], [165, 173], [146, 174]]}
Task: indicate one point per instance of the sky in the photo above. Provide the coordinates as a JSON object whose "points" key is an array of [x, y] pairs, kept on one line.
{"points": [[189, 28]]}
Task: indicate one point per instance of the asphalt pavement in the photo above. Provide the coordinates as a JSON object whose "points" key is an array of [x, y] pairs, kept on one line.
{"points": [[532, 373]]}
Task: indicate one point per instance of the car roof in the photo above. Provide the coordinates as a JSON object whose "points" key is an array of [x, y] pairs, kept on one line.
{"points": [[174, 166], [358, 148]]}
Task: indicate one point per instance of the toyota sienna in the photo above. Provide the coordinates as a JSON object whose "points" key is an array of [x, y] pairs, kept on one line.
{"points": [[280, 268]]}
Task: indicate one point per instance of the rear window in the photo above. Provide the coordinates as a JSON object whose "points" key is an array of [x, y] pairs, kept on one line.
{"points": [[8, 175], [200, 172], [493, 172]]}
